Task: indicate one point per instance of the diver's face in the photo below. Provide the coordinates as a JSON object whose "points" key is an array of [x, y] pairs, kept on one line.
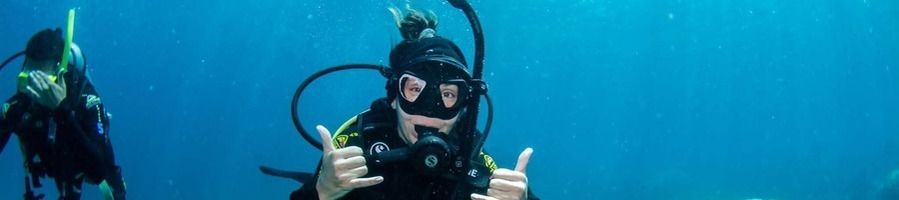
{"points": [[407, 124]]}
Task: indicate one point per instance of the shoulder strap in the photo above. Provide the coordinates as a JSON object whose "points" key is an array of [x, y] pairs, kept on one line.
{"points": [[379, 115]]}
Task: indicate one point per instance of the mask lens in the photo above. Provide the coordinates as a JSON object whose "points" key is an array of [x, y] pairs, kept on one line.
{"points": [[433, 90], [451, 93], [411, 87]]}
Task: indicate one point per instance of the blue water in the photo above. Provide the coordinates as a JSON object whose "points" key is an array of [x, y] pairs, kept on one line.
{"points": [[701, 99]]}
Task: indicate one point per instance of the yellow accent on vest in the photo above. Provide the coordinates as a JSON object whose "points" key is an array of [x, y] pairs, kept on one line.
{"points": [[340, 141], [488, 162], [340, 138]]}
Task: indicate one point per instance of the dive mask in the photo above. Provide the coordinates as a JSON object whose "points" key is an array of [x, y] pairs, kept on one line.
{"points": [[433, 89], [23, 78]]}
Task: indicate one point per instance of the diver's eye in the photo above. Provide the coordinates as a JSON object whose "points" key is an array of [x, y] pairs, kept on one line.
{"points": [[411, 87], [447, 94], [411, 93], [450, 93]]}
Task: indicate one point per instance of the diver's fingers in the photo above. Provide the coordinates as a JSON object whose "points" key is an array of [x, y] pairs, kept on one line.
{"points": [[509, 186], [349, 163], [347, 177], [36, 82], [45, 81], [354, 173], [327, 146], [348, 152], [509, 175], [37, 95], [34, 94], [481, 197], [523, 159], [365, 182], [344, 179], [56, 87], [498, 194], [62, 83]]}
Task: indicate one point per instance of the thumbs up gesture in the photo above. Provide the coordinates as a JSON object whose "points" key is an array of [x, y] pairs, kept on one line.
{"points": [[341, 169], [507, 184]]}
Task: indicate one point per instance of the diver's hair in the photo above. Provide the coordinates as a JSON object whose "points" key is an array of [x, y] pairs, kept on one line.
{"points": [[415, 21], [46, 44]]}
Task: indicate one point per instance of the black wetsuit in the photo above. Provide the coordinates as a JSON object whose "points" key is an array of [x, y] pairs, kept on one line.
{"points": [[401, 181], [70, 144]]}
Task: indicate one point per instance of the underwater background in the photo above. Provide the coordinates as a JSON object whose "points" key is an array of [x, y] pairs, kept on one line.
{"points": [[639, 99]]}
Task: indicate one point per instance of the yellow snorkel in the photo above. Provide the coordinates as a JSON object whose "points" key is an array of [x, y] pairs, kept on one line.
{"points": [[64, 62], [70, 33]]}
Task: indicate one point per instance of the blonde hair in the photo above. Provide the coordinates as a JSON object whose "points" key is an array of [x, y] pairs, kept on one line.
{"points": [[415, 21]]}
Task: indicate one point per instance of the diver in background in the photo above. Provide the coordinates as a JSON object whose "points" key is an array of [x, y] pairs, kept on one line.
{"points": [[427, 93], [62, 127]]}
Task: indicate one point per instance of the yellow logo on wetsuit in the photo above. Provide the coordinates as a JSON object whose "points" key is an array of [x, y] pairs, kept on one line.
{"points": [[489, 163], [340, 141], [92, 100]]}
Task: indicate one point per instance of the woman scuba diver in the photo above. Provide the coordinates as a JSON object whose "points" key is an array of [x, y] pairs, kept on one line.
{"points": [[420, 141]]}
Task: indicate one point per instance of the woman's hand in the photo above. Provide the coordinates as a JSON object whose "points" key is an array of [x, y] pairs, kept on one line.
{"points": [[341, 169], [44, 91], [507, 184]]}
